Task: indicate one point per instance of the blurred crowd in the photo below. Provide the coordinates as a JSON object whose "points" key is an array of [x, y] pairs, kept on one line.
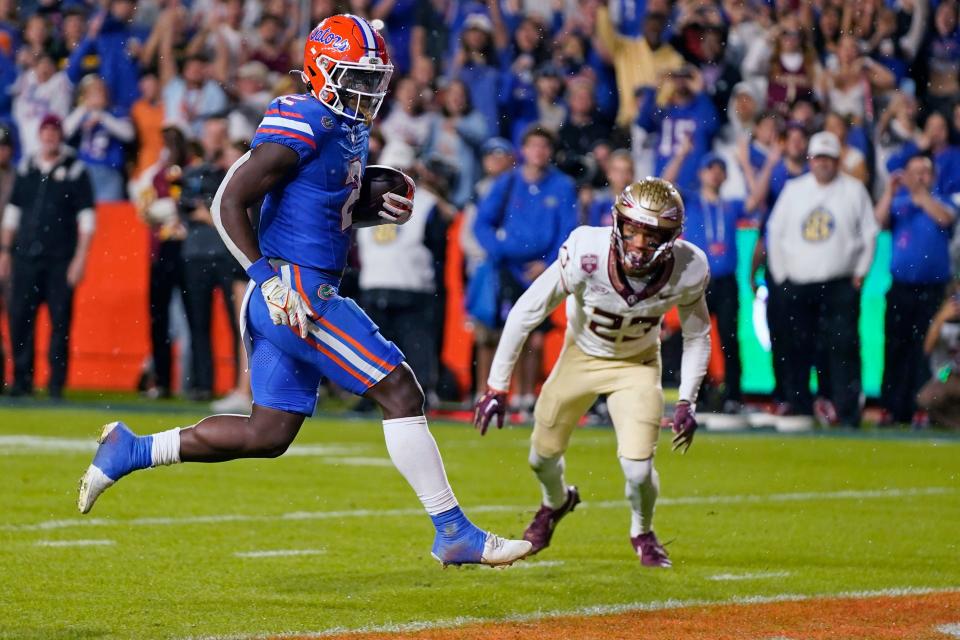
{"points": [[524, 118]]}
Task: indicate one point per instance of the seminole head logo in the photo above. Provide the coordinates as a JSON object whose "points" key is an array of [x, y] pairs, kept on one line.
{"points": [[818, 226]]}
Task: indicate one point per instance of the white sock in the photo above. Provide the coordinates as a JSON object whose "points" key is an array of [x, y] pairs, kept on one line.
{"points": [[643, 487], [415, 455], [165, 448], [550, 473]]}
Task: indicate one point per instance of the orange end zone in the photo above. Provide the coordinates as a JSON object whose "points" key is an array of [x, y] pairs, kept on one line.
{"points": [[877, 618]]}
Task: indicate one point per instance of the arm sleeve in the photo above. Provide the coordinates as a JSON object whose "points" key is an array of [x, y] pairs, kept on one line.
{"points": [[605, 30], [286, 127], [119, 128], [75, 61], [868, 232], [10, 220], [695, 326], [531, 309]]}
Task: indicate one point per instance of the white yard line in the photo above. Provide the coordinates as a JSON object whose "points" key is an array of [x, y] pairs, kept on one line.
{"points": [[279, 553], [74, 543], [597, 610], [812, 496], [537, 565], [952, 630], [759, 575]]}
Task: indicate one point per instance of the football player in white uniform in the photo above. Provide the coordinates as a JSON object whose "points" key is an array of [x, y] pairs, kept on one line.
{"points": [[618, 283]]}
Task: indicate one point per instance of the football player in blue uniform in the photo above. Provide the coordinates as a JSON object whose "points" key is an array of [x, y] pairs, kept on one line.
{"points": [[306, 162]]}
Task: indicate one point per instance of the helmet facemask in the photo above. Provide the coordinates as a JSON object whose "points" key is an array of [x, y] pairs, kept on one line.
{"points": [[354, 89], [656, 248]]}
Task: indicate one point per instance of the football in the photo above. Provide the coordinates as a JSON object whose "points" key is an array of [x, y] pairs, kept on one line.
{"points": [[377, 181]]}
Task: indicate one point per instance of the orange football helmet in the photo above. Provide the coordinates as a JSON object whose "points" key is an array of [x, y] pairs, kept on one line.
{"points": [[346, 64]]}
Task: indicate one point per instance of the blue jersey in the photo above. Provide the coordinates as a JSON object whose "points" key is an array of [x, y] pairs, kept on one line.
{"points": [[306, 220]]}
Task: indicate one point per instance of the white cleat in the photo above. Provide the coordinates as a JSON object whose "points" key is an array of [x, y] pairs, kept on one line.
{"points": [[500, 552], [110, 463], [92, 484]]}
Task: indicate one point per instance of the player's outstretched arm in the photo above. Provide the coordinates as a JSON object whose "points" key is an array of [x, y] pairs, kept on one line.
{"points": [[251, 178], [695, 325], [529, 312]]}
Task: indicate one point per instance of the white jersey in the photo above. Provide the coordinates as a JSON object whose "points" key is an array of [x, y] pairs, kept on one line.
{"points": [[606, 316]]}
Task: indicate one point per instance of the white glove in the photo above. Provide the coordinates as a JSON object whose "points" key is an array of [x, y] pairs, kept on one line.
{"points": [[286, 306], [397, 208]]}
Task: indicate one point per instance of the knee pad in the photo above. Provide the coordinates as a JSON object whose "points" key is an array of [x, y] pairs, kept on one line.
{"points": [[637, 472]]}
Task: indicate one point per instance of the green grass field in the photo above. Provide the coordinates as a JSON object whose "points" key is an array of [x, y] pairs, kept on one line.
{"points": [[180, 552]]}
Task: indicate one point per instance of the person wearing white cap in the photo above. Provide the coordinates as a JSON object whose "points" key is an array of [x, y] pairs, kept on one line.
{"points": [[820, 244]]}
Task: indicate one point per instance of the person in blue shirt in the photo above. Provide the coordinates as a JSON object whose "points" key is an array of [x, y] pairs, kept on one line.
{"points": [[99, 132], [921, 225], [688, 114], [111, 40], [711, 224], [307, 162], [521, 224], [620, 174], [935, 141]]}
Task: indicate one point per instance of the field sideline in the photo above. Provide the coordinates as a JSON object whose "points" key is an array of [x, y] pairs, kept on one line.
{"points": [[329, 539]]}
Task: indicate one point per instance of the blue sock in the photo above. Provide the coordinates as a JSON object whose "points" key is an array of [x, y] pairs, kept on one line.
{"points": [[141, 455], [458, 540]]}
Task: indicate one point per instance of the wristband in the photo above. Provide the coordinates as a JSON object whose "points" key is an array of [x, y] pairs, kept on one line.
{"points": [[261, 271]]}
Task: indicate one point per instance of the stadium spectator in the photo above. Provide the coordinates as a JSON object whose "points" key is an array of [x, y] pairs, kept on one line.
{"points": [[40, 91], [620, 173], [272, 49], [7, 175], [114, 45], [401, 275], [44, 240], [239, 399], [687, 113], [896, 126], [99, 133], [639, 62], [399, 17], [788, 61], [406, 124], [156, 193], [476, 66], [852, 81], [193, 96], [940, 396], [935, 141], [920, 225], [711, 224], [852, 160], [455, 134], [251, 96], [147, 115], [792, 164], [497, 157], [943, 85], [207, 264], [521, 225], [820, 244]]}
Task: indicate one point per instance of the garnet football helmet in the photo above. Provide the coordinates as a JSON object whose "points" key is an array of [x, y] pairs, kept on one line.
{"points": [[655, 206], [346, 64]]}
